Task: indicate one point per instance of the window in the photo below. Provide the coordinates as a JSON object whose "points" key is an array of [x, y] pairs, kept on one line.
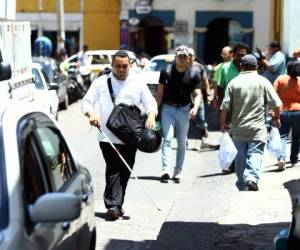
{"points": [[57, 155], [37, 79], [100, 59]]}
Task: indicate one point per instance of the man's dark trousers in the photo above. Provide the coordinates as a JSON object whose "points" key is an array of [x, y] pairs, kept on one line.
{"points": [[116, 174]]}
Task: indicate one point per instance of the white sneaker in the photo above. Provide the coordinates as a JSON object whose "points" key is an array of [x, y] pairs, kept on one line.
{"points": [[281, 165]]}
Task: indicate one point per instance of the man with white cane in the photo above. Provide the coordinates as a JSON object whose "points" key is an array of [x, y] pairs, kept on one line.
{"points": [[127, 89]]}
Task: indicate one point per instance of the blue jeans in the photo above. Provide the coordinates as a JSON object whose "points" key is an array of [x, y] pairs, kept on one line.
{"points": [[248, 162], [200, 119], [290, 120], [174, 120]]}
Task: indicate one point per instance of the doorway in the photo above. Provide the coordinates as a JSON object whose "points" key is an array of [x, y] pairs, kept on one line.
{"points": [[153, 37], [216, 37]]}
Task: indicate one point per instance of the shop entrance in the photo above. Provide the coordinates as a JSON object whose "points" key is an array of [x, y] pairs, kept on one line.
{"points": [[216, 38], [152, 36]]}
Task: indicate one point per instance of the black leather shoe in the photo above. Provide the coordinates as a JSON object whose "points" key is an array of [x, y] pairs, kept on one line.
{"points": [[164, 178], [112, 214], [252, 186]]}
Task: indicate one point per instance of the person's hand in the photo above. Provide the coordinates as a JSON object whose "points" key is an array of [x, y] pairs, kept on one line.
{"points": [[150, 122], [224, 127], [94, 120], [209, 99], [193, 112], [277, 123]]}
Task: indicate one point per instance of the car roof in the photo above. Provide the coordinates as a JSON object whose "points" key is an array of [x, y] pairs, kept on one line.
{"points": [[167, 57]]}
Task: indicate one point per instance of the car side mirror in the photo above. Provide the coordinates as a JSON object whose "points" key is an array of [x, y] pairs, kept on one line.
{"points": [[53, 86], [5, 71], [55, 207]]}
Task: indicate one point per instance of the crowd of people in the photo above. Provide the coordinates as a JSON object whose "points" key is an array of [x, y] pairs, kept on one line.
{"points": [[244, 97]]}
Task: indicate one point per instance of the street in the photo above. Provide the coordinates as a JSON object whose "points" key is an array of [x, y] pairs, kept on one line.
{"points": [[205, 211]]}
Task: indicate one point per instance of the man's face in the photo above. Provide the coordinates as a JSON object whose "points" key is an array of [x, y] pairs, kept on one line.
{"points": [[182, 60], [121, 67], [239, 54], [226, 55]]}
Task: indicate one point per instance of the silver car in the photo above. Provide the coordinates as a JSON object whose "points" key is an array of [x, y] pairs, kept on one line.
{"points": [[46, 195]]}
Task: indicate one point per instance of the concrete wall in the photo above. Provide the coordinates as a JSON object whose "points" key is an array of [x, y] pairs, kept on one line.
{"points": [[8, 9], [291, 32]]}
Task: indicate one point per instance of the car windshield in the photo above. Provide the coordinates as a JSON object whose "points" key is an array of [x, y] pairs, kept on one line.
{"points": [[37, 79], [158, 65], [100, 59], [3, 194]]}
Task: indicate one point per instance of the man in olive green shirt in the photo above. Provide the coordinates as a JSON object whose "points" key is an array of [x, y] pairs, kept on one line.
{"points": [[246, 97]]}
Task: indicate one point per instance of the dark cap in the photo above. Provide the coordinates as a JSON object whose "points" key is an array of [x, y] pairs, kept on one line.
{"points": [[249, 59], [182, 50], [275, 44]]}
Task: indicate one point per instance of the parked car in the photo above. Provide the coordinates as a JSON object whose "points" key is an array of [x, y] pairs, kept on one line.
{"points": [[46, 194], [54, 74], [45, 94], [98, 61], [151, 72]]}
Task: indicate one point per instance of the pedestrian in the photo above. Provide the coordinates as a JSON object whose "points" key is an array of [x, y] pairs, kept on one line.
{"points": [[176, 85], [246, 98], [226, 54], [205, 90], [82, 57], [229, 71], [296, 52], [232, 68], [288, 88], [128, 89], [274, 65]]}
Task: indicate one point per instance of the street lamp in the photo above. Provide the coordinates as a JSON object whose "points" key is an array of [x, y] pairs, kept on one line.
{"points": [[60, 27]]}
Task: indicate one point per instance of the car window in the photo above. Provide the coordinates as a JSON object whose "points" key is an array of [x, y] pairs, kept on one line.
{"points": [[100, 59], [47, 70], [58, 157], [37, 79], [158, 65]]}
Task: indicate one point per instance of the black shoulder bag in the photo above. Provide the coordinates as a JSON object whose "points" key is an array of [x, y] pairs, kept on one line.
{"points": [[125, 121]]}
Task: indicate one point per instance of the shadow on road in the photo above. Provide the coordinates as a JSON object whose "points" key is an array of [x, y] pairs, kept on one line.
{"points": [[212, 236]]}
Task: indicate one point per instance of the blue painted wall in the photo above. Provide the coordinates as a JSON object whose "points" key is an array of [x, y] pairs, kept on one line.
{"points": [[166, 16]]}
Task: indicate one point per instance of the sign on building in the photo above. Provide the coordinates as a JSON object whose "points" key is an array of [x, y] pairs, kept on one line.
{"points": [[143, 6]]}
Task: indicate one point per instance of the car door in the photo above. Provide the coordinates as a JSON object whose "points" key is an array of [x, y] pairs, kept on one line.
{"points": [[56, 165]]}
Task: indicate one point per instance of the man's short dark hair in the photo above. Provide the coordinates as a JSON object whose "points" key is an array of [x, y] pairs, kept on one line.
{"points": [[293, 68], [120, 53], [239, 46], [275, 44]]}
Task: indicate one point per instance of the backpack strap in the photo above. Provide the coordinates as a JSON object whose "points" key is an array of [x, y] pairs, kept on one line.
{"points": [[111, 92]]}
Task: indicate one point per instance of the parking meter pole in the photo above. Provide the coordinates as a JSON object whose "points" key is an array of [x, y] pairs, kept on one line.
{"points": [[126, 164]]}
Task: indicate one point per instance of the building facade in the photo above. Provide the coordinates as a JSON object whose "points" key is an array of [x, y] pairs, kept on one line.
{"points": [[207, 25], [94, 23]]}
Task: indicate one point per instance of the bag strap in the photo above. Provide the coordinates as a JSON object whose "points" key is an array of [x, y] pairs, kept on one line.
{"points": [[111, 91]]}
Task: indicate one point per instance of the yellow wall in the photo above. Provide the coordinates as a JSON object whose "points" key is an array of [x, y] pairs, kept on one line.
{"points": [[47, 5], [101, 24]]}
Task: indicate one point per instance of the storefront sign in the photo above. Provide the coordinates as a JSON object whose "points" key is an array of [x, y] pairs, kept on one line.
{"points": [[143, 7]]}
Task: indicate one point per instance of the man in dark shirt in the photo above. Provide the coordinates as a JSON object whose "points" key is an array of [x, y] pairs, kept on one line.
{"points": [[174, 95]]}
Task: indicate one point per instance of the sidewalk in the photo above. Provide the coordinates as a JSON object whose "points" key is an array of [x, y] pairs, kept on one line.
{"points": [[205, 211]]}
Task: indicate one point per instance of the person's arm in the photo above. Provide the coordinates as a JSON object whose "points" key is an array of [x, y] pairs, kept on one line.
{"points": [[159, 94], [224, 125], [197, 99], [207, 89], [88, 101]]}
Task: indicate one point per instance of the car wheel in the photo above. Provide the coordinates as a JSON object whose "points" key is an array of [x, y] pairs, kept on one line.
{"points": [[64, 105]]}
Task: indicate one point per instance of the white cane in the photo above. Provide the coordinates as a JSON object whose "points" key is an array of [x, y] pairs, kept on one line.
{"points": [[126, 164]]}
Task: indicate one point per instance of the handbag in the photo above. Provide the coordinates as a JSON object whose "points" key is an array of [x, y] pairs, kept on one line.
{"points": [[125, 121]]}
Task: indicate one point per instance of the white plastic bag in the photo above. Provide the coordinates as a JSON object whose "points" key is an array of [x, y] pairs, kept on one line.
{"points": [[227, 151], [274, 143]]}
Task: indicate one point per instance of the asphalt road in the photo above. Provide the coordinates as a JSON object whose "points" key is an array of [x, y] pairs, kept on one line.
{"points": [[205, 211]]}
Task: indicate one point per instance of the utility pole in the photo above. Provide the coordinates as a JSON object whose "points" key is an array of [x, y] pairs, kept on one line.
{"points": [[40, 24], [60, 26]]}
